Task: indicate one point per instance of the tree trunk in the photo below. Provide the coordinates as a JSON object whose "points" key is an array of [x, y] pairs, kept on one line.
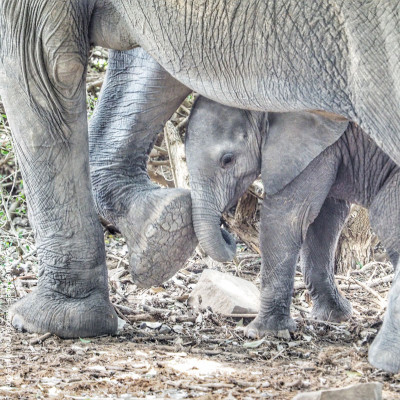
{"points": [[356, 243], [244, 221]]}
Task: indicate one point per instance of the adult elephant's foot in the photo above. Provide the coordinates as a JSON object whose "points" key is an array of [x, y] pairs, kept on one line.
{"points": [[333, 308], [159, 232], [384, 352], [47, 311], [278, 325]]}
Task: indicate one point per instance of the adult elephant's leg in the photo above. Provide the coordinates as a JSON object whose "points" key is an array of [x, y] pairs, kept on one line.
{"points": [[317, 258], [384, 352], [137, 99], [46, 107]]}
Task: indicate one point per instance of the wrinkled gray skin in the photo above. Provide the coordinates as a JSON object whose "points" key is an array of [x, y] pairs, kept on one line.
{"points": [[338, 56], [305, 218]]}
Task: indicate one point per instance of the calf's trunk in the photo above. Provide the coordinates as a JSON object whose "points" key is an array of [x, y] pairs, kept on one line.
{"points": [[216, 242]]}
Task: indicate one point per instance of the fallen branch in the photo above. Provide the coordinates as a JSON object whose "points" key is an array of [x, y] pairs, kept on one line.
{"points": [[126, 310], [183, 123], [157, 163], [368, 266], [110, 255], [376, 282], [277, 355], [94, 85], [23, 258], [161, 150], [252, 316], [158, 178], [300, 308], [371, 291], [41, 339], [142, 318], [26, 277], [184, 319], [184, 109], [152, 310], [6, 159], [120, 314], [386, 279]]}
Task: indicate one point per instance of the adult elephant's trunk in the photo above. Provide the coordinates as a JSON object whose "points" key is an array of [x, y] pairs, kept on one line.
{"points": [[215, 241]]}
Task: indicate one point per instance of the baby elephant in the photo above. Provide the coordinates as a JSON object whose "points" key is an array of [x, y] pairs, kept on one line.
{"points": [[303, 212]]}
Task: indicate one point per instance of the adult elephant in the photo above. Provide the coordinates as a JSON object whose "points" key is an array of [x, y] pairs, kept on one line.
{"points": [[336, 57]]}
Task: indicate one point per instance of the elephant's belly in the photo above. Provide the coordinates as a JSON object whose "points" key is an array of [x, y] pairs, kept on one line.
{"points": [[260, 69]]}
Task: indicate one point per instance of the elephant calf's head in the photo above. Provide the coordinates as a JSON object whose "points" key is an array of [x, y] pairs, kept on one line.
{"points": [[223, 151]]}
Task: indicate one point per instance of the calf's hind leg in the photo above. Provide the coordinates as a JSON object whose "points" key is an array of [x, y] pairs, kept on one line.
{"points": [[384, 352], [137, 99], [317, 259]]}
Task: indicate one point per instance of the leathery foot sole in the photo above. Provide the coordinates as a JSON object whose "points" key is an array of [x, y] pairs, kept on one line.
{"points": [[165, 238]]}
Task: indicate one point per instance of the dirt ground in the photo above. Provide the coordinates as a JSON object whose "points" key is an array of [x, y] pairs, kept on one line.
{"points": [[166, 349]]}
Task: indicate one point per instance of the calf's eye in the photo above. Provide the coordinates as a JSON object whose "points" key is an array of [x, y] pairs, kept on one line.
{"points": [[227, 160]]}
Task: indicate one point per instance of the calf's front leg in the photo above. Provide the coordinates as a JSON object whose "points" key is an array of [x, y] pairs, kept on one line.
{"points": [[285, 218], [280, 246]]}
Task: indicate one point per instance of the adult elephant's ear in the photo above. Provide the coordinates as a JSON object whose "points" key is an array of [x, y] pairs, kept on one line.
{"points": [[293, 140]]}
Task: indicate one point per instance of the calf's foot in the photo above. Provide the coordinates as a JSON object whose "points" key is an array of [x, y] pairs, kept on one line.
{"points": [[48, 311], [278, 325]]}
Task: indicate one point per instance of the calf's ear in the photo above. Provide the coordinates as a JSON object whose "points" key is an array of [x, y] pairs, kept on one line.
{"points": [[293, 140]]}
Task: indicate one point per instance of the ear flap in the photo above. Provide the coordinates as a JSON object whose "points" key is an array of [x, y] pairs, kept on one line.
{"points": [[293, 140]]}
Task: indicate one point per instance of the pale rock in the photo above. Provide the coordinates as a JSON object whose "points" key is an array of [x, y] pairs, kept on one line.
{"points": [[225, 294], [362, 391]]}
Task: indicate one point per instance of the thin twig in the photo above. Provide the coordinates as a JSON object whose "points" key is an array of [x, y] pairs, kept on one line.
{"points": [[158, 163], [161, 150], [23, 258], [120, 314], [110, 255], [41, 339], [152, 310], [302, 309], [371, 291], [252, 316], [94, 85]]}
